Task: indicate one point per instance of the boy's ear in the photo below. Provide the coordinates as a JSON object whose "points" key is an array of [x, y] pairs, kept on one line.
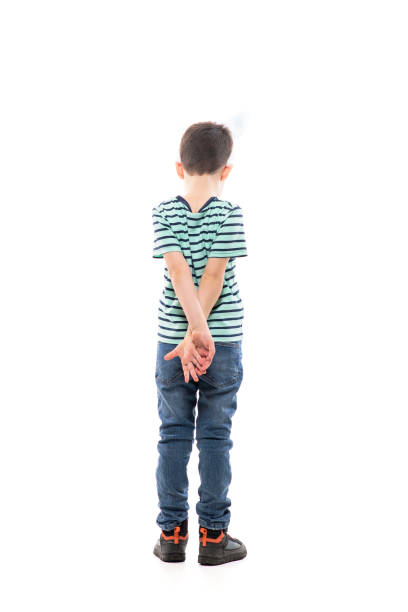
{"points": [[225, 172], [179, 169]]}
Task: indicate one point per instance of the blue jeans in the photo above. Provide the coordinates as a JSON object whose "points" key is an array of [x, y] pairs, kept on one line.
{"points": [[216, 404]]}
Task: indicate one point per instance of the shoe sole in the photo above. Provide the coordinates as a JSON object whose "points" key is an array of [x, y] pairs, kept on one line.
{"points": [[218, 561], [170, 557]]}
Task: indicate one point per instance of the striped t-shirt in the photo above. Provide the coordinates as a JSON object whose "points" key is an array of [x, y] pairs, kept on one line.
{"points": [[216, 230]]}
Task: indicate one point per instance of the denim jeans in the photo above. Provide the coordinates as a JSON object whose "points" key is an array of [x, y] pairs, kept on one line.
{"points": [[216, 404]]}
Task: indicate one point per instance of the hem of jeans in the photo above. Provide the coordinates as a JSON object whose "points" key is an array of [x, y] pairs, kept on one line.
{"points": [[213, 526], [170, 526]]}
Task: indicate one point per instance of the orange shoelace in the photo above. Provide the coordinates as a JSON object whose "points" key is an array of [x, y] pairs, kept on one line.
{"points": [[206, 539], [176, 537]]}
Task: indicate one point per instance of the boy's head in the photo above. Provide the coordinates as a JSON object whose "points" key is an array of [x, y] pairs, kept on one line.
{"points": [[205, 148]]}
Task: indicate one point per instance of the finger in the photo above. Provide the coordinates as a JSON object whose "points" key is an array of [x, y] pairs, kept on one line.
{"points": [[201, 360], [200, 367], [188, 354], [186, 373], [205, 361], [170, 355], [188, 366], [193, 372], [200, 364], [200, 371]]}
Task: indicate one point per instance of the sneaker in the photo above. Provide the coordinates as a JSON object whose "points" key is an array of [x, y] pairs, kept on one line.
{"points": [[217, 546], [171, 546]]}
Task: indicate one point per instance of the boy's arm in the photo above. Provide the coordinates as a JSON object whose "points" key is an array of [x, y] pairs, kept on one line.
{"points": [[196, 303], [211, 284], [182, 281]]}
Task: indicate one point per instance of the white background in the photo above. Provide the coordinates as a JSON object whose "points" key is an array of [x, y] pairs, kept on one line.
{"points": [[95, 98]]}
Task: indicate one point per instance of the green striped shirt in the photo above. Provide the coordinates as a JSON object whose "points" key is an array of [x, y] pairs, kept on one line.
{"points": [[216, 230]]}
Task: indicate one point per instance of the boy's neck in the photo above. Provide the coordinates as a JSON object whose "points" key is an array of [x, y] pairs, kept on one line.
{"points": [[197, 194]]}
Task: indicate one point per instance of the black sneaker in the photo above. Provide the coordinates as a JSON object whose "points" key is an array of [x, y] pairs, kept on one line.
{"points": [[217, 546], [171, 546]]}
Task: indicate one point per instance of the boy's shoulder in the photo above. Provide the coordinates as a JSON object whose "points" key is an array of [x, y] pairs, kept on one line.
{"points": [[164, 204], [220, 210], [226, 204]]}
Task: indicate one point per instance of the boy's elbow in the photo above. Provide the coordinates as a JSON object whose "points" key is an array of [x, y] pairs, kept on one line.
{"points": [[215, 268], [177, 272], [213, 278], [176, 263]]}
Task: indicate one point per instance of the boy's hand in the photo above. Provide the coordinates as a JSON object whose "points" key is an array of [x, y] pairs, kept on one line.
{"points": [[196, 352], [189, 357], [204, 343]]}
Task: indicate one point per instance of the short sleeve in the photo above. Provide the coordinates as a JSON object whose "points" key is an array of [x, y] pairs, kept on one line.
{"points": [[230, 238], [164, 238]]}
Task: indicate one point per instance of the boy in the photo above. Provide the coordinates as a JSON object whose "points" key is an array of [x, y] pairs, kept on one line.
{"points": [[199, 334]]}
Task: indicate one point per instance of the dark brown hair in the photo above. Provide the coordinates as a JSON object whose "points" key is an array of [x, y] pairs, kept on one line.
{"points": [[205, 147]]}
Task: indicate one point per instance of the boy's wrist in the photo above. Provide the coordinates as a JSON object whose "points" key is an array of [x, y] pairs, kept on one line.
{"points": [[201, 328]]}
